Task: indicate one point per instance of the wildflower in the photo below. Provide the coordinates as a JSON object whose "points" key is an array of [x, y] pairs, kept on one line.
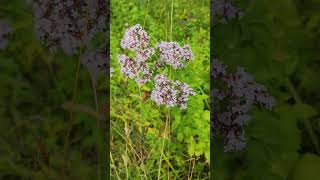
{"points": [[234, 95], [174, 55], [144, 54], [68, 24], [185, 92], [135, 38], [171, 93], [166, 92], [134, 69]]}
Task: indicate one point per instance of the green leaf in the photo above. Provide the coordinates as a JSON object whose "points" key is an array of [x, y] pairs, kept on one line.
{"points": [[180, 137], [307, 168]]}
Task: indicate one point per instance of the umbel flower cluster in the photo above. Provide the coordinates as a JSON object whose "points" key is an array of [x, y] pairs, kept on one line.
{"points": [[5, 30], [166, 92], [71, 25], [225, 11], [171, 93], [174, 55], [68, 24], [234, 95]]}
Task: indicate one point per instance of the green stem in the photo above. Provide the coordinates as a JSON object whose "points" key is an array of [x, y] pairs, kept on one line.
{"points": [[74, 94], [145, 16], [205, 100], [94, 89], [171, 21], [99, 154]]}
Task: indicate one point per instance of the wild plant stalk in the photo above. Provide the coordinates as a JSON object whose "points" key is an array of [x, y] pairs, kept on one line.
{"points": [[145, 17], [128, 142], [170, 71], [193, 162], [162, 148], [113, 165], [94, 89], [171, 20], [206, 101], [74, 93], [168, 113], [126, 153]]}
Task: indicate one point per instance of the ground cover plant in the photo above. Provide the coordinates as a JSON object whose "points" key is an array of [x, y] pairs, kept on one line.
{"points": [[277, 43], [160, 90]]}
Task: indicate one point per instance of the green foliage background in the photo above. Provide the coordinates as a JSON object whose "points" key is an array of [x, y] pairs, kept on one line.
{"points": [[277, 42], [137, 124], [36, 101]]}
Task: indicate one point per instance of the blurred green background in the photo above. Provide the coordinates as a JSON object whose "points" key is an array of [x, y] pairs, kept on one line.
{"points": [[278, 43], [45, 133]]}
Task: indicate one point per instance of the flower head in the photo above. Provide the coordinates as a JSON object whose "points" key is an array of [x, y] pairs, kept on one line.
{"points": [[68, 24], [171, 93], [144, 54], [174, 55], [234, 95], [135, 38], [134, 69]]}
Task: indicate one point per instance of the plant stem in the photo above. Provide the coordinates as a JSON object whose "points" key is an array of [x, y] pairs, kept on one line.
{"points": [[205, 100], [171, 20], [162, 148], [168, 134], [74, 93], [112, 162], [145, 17], [94, 89]]}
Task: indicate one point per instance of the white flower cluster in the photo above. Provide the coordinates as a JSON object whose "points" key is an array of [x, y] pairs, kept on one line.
{"points": [[171, 93], [174, 55], [166, 92]]}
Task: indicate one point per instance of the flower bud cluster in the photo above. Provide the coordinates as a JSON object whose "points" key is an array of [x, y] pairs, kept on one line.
{"points": [[171, 93], [234, 95], [174, 55]]}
